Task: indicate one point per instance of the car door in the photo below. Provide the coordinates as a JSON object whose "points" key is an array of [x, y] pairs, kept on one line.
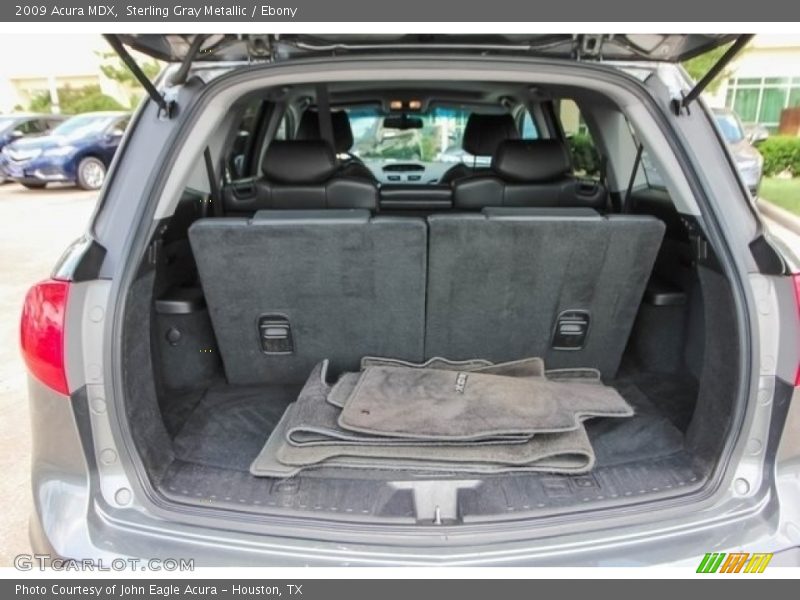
{"points": [[112, 136]]}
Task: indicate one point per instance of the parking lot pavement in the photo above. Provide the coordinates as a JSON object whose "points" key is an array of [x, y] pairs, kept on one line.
{"points": [[35, 228]]}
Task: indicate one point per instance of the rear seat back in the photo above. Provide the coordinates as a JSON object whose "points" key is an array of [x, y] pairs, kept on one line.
{"points": [[299, 174], [287, 289], [483, 133], [309, 129], [529, 173], [510, 283]]}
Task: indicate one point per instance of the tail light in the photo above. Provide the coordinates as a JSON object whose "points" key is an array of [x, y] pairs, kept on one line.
{"points": [[796, 281], [42, 333]]}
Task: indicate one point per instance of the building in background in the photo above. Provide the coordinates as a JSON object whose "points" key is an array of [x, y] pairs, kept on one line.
{"points": [[762, 81], [70, 61]]}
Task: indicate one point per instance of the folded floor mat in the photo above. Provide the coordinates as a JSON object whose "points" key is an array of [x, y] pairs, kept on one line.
{"points": [[568, 452], [527, 367], [432, 404], [314, 421]]}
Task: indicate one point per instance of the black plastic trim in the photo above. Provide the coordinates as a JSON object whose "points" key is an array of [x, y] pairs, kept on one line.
{"points": [[181, 301], [81, 261], [768, 259], [662, 293]]}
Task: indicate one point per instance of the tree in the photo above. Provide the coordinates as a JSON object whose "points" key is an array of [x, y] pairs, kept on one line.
{"points": [[73, 101], [700, 65], [113, 68]]}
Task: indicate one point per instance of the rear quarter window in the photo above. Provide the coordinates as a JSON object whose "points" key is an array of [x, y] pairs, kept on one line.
{"points": [[586, 160], [529, 131]]}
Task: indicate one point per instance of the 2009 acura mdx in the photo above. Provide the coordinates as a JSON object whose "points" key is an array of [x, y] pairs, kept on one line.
{"points": [[294, 334]]}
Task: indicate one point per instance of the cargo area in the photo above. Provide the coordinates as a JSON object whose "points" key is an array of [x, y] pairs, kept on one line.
{"points": [[317, 262]]}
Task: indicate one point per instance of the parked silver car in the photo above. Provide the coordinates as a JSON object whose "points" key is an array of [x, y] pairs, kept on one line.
{"points": [[190, 356], [748, 158]]}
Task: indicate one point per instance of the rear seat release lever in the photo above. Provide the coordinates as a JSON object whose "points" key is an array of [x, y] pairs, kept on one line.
{"points": [[571, 329], [275, 334]]}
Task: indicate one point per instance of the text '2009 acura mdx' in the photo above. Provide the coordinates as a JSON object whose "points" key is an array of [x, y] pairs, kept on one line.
{"points": [[394, 300]]}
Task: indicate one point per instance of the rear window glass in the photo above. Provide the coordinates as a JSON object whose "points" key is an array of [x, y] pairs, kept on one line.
{"points": [[6, 123], [83, 125], [585, 157], [529, 129], [651, 172], [730, 126], [437, 141]]}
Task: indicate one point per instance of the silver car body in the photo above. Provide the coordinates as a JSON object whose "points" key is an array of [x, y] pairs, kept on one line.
{"points": [[748, 158]]}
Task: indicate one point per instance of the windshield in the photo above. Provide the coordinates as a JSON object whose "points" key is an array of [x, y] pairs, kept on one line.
{"points": [[83, 125], [437, 141], [730, 127], [6, 122]]}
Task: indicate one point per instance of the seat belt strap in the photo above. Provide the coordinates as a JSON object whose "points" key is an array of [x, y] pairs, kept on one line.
{"points": [[213, 184], [324, 115], [625, 208]]}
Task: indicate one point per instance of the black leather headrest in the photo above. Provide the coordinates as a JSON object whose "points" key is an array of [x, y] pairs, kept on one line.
{"points": [[531, 160], [484, 133], [299, 161], [340, 123]]}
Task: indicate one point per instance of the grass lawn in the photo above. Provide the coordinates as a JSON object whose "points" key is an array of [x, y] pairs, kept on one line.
{"points": [[783, 192]]}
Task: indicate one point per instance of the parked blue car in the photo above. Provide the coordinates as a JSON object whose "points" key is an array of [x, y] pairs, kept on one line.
{"points": [[79, 150], [19, 125]]}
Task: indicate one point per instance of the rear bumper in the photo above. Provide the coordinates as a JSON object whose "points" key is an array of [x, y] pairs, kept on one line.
{"points": [[103, 530]]}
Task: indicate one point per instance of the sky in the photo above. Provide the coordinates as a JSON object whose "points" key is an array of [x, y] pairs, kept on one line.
{"points": [[39, 56]]}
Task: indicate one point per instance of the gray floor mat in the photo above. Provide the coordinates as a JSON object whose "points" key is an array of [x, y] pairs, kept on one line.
{"points": [[568, 452], [432, 363], [526, 367], [446, 405], [314, 421]]}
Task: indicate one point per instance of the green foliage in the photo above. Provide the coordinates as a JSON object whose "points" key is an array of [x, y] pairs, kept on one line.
{"points": [[585, 158], [700, 65], [429, 143], [75, 100], [115, 69], [781, 153], [40, 103], [783, 192]]}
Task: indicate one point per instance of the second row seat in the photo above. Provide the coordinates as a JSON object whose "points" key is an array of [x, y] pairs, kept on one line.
{"points": [[299, 174], [532, 173]]}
